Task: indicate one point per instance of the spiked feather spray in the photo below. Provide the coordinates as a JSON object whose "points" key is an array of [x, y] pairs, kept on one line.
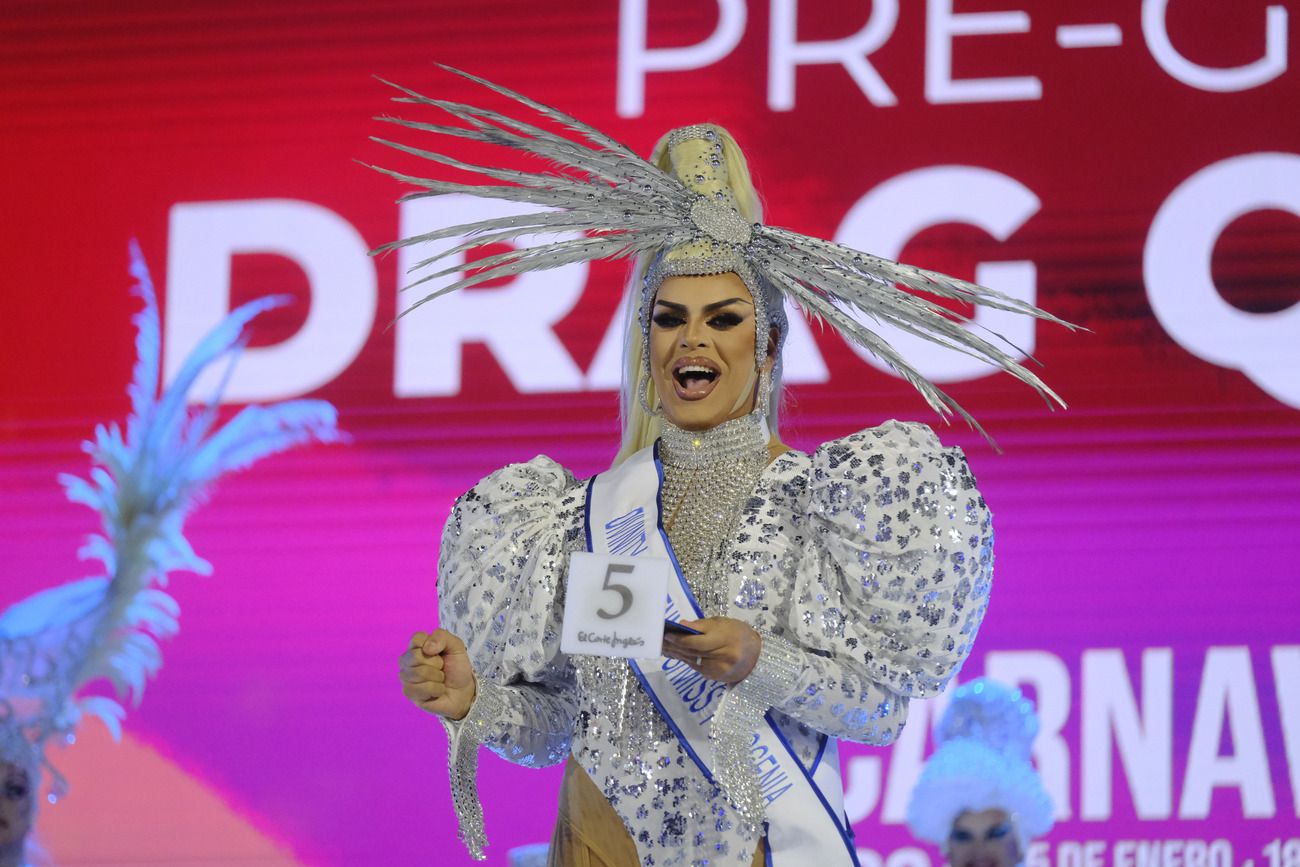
{"points": [[621, 205]]}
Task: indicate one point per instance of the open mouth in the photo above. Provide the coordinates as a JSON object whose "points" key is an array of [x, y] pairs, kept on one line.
{"points": [[695, 378]]}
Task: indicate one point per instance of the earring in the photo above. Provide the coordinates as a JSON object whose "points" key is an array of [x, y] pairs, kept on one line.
{"points": [[762, 405], [643, 396]]}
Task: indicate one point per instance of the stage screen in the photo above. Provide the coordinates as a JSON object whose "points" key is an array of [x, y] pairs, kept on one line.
{"points": [[1133, 167]]}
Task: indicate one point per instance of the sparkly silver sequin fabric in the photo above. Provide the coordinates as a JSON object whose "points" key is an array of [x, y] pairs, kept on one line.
{"points": [[866, 565]]}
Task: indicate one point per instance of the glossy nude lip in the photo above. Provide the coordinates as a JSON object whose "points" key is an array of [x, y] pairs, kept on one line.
{"points": [[695, 387]]}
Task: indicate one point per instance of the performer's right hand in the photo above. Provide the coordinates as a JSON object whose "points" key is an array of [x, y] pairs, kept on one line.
{"points": [[437, 674]]}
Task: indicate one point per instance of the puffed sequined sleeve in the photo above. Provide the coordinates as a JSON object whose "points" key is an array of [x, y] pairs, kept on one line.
{"points": [[894, 584], [500, 568]]}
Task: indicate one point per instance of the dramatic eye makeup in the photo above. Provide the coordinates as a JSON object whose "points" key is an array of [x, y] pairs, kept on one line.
{"points": [[670, 315], [726, 320]]}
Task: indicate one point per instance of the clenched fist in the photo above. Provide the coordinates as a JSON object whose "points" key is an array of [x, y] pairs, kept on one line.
{"points": [[437, 674]]}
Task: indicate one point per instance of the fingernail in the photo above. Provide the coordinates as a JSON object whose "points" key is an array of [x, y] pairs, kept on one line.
{"points": [[428, 648]]}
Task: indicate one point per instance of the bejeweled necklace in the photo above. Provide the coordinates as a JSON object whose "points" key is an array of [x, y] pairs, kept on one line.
{"points": [[709, 476]]}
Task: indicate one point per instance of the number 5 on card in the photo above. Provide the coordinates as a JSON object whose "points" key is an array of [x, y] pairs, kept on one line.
{"points": [[614, 606]]}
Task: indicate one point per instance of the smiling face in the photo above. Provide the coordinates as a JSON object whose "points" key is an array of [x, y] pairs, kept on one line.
{"points": [[15, 806], [983, 839], [702, 350]]}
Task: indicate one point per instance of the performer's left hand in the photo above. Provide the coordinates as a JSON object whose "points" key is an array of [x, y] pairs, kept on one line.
{"points": [[726, 649]]}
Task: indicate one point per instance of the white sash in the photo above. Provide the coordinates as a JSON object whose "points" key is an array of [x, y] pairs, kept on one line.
{"points": [[805, 807]]}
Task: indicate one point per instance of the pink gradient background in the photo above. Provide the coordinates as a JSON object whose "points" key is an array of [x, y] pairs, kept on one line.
{"points": [[1161, 510]]}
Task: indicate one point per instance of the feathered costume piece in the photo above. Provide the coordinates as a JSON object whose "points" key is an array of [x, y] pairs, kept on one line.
{"points": [[621, 205], [982, 763], [144, 483]]}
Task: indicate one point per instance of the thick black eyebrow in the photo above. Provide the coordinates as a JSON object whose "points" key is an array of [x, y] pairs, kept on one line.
{"points": [[708, 308]]}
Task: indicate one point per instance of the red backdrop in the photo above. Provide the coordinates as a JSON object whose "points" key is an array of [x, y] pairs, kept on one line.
{"points": [[1140, 177]]}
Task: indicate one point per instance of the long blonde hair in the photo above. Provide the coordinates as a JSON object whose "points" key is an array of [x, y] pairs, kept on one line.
{"points": [[641, 429]]}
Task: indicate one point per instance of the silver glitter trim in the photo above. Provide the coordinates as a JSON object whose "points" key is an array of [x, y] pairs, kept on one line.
{"points": [[693, 131], [772, 681], [732, 440], [780, 663], [720, 261], [720, 222], [708, 478], [464, 737]]}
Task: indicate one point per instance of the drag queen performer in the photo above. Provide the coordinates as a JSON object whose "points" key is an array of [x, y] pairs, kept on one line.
{"points": [[828, 589], [979, 798]]}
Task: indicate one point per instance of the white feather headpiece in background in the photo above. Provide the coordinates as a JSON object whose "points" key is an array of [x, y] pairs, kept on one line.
{"points": [[144, 482], [982, 763]]}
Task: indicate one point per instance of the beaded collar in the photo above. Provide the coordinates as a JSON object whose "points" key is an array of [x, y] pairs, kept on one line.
{"points": [[730, 440]]}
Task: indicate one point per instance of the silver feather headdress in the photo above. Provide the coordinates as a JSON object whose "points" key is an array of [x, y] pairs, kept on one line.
{"points": [[686, 219]]}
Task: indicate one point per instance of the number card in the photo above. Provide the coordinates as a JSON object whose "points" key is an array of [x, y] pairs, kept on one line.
{"points": [[614, 606]]}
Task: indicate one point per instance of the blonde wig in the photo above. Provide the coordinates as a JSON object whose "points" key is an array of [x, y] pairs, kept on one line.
{"points": [[640, 428]]}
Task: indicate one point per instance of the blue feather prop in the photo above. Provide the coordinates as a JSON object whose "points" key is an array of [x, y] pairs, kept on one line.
{"points": [[143, 484]]}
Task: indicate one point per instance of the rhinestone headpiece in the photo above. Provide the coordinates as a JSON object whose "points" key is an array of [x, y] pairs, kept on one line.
{"points": [[720, 240]]}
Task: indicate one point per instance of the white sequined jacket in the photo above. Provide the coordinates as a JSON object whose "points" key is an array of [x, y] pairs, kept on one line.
{"points": [[865, 565]]}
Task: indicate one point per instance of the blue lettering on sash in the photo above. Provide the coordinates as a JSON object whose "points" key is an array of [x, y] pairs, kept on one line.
{"points": [[772, 780], [625, 535], [776, 769], [696, 691]]}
